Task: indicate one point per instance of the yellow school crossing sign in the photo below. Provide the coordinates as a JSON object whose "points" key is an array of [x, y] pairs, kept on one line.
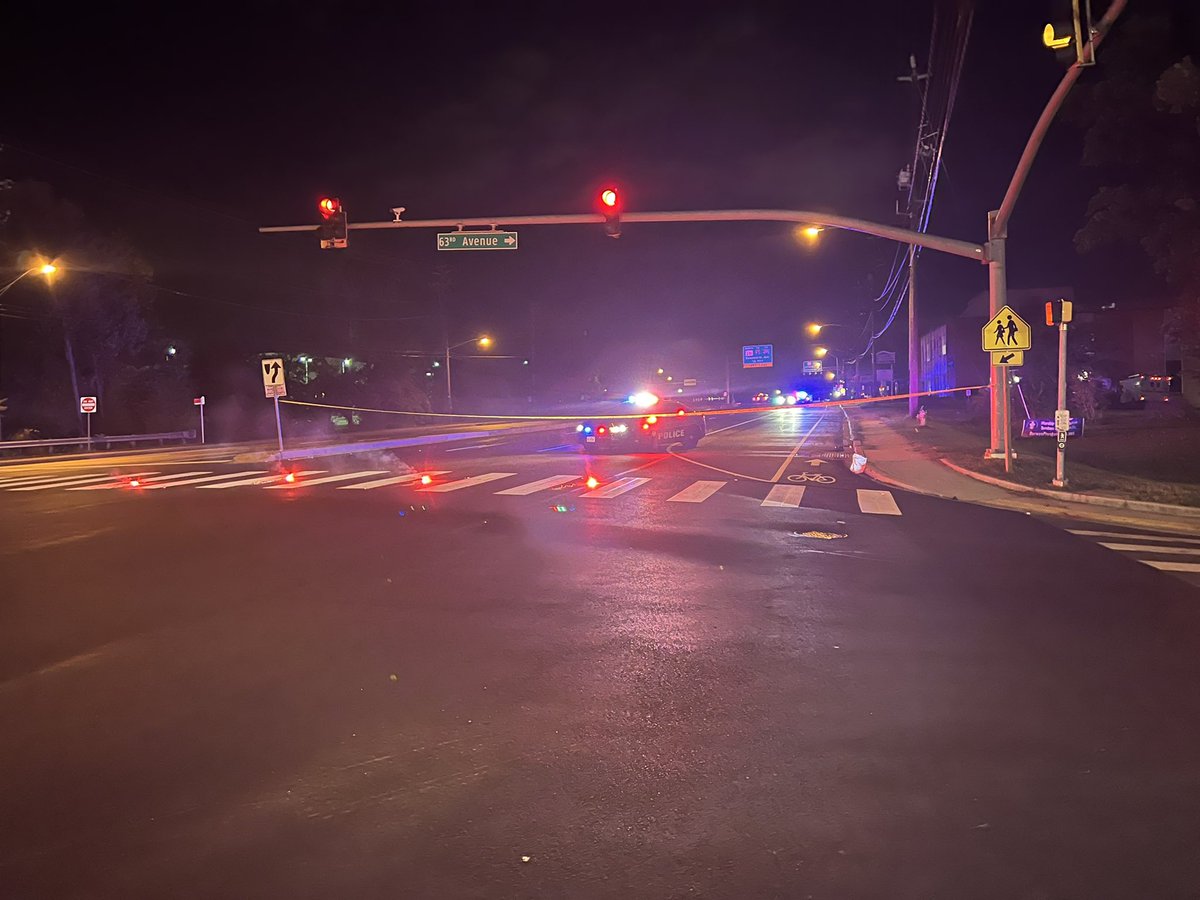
{"points": [[1006, 332]]}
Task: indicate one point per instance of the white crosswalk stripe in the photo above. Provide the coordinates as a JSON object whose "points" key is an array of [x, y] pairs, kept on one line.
{"points": [[614, 488], [1135, 537], [542, 484], [472, 481], [1152, 548], [395, 479], [78, 479], [1147, 548], [878, 503], [785, 495], [124, 480], [11, 483], [698, 492], [328, 479], [251, 482], [159, 486]]}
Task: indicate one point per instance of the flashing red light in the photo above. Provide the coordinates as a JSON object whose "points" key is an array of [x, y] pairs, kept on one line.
{"points": [[426, 479], [290, 477], [601, 430], [645, 426], [592, 482], [133, 482], [679, 412], [329, 207], [608, 197]]}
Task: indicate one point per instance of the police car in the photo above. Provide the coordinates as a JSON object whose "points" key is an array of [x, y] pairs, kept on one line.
{"points": [[651, 425]]}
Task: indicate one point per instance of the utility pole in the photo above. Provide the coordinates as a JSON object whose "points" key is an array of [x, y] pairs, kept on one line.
{"points": [[920, 81], [1062, 415]]}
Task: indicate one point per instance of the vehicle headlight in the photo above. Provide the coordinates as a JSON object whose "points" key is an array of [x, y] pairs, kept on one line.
{"points": [[579, 428]]}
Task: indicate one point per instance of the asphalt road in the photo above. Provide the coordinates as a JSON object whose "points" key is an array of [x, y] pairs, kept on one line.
{"points": [[726, 680]]}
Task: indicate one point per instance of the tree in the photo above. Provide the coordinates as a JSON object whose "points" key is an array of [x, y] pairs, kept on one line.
{"points": [[97, 309], [1142, 121]]}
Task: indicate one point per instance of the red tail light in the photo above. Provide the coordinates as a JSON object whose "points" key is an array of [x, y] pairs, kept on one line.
{"points": [[601, 430]]}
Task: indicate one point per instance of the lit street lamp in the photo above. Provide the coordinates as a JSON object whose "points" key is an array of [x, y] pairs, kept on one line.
{"points": [[306, 359], [43, 269], [483, 341]]}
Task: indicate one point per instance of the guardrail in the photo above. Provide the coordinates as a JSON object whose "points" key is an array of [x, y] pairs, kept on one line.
{"points": [[99, 440]]}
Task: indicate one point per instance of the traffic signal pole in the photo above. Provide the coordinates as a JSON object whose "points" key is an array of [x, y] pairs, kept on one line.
{"points": [[792, 216], [998, 220]]}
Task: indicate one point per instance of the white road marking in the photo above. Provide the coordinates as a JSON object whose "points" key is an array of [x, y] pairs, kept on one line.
{"points": [[787, 462], [124, 481], [1151, 548], [879, 503], [698, 492], [471, 447], [395, 479], [467, 482], [559, 447], [41, 479], [1136, 537], [78, 479], [171, 484], [328, 479], [250, 482], [789, 495], [542, 484], [1171, 566], [614, 488], [735, 425]]}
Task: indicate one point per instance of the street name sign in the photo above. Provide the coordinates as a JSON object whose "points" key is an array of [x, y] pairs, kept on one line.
{"points": [[274, 383], [198, 401], [813, 367], [1008, 357], [477, 240], [87, 404], [1006, 331], [758, 356]]}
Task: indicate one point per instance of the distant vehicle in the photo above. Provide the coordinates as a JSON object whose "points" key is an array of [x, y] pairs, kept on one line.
{"points": [[761, 398], [661, 424]]}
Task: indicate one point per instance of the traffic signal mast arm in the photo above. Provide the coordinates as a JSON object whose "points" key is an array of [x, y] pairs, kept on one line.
{"points": [[794, 216]]}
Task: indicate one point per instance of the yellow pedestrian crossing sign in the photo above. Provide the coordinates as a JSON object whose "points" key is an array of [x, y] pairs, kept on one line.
{"points": [[1006, 331]]}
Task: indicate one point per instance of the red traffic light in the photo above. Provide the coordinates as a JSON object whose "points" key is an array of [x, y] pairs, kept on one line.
{"points": [[329, 207], [608, 197]]}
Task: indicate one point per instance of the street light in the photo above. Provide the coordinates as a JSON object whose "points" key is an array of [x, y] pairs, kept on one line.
{"points": [[820, 352], [306, 359], [346, 362], [483, 341], [808, 232], [43, 269], [814, 328]]}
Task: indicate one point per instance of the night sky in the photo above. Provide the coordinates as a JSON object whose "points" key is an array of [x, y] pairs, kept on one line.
{"points": [[186, 132]]}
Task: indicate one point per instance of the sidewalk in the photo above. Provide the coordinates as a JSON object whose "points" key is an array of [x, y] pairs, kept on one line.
{"points": [[896, 460]]}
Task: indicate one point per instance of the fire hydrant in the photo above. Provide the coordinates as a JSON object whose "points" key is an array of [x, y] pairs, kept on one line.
{"points": [[921, 417]]}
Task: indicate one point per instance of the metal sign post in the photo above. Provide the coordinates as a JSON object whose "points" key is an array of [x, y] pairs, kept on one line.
{"points": [[199, 401], [1062, 416], [87, 406], [275, 386]]}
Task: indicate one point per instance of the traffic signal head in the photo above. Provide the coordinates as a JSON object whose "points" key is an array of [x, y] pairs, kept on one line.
{"points": [[332, 228], [329, 207], [1069, 32], [610, 208], [1059, 311]]}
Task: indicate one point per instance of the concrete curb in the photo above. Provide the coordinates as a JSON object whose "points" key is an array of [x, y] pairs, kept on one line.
{"points": [[1164, 509]]}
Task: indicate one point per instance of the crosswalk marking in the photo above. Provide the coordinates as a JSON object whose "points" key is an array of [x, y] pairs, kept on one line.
{"points": [[251, 482], [467, 482], [1171, 566], [172, 484], [1135, 537], [786, 495], [1153, 548], [328, 479], [542, 484], [698, 492], [384, 482], [614, 488], [124, 480], [13, 483], [78, 479], [879, 503]]}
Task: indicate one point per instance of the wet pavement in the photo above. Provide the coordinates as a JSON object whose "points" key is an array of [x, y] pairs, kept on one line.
{"points": [[715, 673]]}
